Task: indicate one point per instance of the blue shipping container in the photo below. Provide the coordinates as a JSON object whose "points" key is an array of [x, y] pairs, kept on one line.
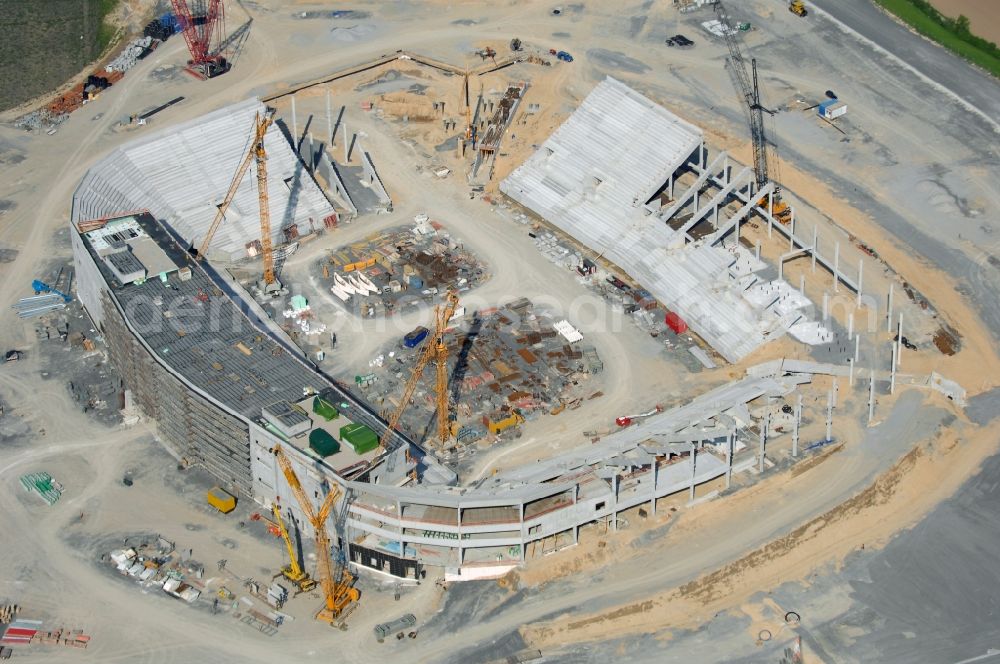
{"points": [[413, 339], [416, 282]]}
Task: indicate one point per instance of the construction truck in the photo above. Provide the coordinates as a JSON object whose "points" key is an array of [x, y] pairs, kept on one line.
{"points": [[497, 423], [797, 7]]}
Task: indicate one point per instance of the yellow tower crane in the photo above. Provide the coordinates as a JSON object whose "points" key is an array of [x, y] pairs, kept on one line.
{"points": [[444, 315], [292, 571], [435, 349], [338, 590], [259, 155]]}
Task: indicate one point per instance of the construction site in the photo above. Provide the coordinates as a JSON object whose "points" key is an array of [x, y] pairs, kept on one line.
{"points": [[471, 333]]}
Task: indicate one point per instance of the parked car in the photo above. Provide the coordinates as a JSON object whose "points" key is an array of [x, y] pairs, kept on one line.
{"points": [[680, 41]]}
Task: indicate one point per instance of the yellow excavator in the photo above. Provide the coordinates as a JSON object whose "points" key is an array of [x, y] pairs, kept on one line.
{"points": [[338, 590], [293, 572], [797, 7]]}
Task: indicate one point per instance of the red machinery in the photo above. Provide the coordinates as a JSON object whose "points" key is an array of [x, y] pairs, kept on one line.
{"points": [[676, 323], [627, 420], [202, 22]]}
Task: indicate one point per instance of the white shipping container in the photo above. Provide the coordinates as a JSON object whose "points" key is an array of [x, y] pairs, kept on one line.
{"points": [[835, 110]]}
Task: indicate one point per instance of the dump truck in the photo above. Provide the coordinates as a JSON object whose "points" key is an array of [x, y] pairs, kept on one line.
{"points": [[797, 7], [221, 500]]}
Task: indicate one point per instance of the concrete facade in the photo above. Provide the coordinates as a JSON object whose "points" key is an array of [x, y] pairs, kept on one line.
{"points": [[205, 363], [402, 511]]}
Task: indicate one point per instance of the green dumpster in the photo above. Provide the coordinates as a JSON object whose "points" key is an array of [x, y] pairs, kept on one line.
{"points": [[360, 437], [322, 443], [325, 409]]}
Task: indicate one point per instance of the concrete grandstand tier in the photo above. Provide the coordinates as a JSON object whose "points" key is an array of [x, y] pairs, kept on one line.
{"points": [[603, 177], [611, 155], [181, 174]]}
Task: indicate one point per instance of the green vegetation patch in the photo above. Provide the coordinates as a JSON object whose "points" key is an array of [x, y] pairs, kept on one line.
{"points": [[952, 33], [44, 43]]}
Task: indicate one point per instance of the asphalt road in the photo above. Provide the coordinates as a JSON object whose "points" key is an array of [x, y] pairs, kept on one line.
{"points": [[974, 86]]}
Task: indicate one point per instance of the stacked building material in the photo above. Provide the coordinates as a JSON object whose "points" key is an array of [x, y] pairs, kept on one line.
{"points": [[134, 50], [29, 307], [20, 631], [160, 28], [43, 485]]}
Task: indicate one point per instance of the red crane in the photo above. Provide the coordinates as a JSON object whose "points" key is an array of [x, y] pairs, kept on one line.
{"points": [[202, 23]]}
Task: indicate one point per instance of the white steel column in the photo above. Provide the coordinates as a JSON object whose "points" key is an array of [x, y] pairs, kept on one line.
{"points": [[861, 274], [399, 513], [836, 266], [576, 527], [614, 501], [892, 372], [795, 431], [770, 213], [730, 437], [829, 415], [888, 315], [899, 341], [329, 118], [815, 246], [694, 454], [871, 397], [763, 440], [524, 533], [652, 496]]}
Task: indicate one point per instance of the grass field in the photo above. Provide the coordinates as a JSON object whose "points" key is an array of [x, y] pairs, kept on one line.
{"points": [[949, 36], [44, 43]]}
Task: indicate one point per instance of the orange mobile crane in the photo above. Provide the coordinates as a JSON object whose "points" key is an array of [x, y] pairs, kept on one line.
{"points": [[258, 154], [338, 590], [435, 349]]}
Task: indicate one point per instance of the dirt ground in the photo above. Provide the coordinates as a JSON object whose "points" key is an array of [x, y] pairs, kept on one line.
{"points": [[855, 524], [891, 179], [984, 17]]}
